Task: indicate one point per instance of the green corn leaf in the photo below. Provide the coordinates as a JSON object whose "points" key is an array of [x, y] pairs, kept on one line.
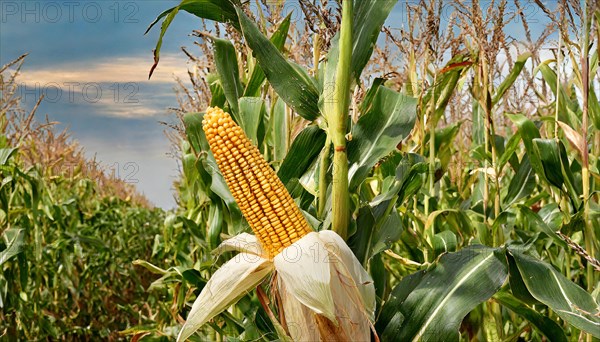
{"points": [[194, 131], [218, 184], [252, 112], [444, 142], [227, 67], [478, 127], [522, 183], [447, 80], [391, 318], [569, 301], [509, 150], [215, 224], [303, 152], [408, 180], [290, 81], [188, 163], [150, 267], [390, 164], [444, 242], [517, 285], [549, 156], [569, 110], [457, 220], [573, 186], [437, 303], [217, 94], [369, 16], [511, 77], [15, 244], [170, 15], [535, 223], [194, 277], [5, 154], [257, 77], [388, 233], [297, 191], [594, 107], [379, 275], [377, 133], [279, 130], [217, 10], [413, 181], [556, 166], [528, 132], [370, 95], [360, 242], [545, 325]]}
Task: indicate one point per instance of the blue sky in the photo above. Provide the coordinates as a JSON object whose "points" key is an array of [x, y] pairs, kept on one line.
{"points": [[91, 61]]}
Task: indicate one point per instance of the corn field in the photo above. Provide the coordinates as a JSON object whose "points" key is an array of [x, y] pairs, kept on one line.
{"points": [[341, 179]]}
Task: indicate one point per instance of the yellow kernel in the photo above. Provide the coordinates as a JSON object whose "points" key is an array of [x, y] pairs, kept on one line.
{"points": [[263, 200]]}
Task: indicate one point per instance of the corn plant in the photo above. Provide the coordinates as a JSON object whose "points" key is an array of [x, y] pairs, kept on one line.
{"points": [[68, 235], [494, 256]]}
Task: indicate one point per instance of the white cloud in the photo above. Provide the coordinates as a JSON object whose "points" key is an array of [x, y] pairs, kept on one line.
{"points": [[117, 87], [121, 69]]}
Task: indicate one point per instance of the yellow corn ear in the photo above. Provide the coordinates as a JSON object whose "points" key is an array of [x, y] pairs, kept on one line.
{"points": [[264, 201]]}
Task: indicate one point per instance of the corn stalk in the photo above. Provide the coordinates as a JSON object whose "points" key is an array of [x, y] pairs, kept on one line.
{"points": [[337, 126], [585, 173]]}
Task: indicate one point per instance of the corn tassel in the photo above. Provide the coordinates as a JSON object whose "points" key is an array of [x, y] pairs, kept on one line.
{"points": [[265, 203]]}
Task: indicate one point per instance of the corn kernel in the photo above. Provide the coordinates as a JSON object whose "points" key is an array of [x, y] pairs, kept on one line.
{"points": [[265, 203]]}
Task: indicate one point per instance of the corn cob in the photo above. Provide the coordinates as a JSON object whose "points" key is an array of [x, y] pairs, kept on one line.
{"points": [[265, 203]]}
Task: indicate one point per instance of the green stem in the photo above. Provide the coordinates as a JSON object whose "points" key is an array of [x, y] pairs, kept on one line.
{"points": [[337, 125], [585, 175], [426, 113], [486, 138], [490, 144], [323, 167], [431, 127], [431, 118], [340, 199], [558, 63], [490, 148], [497, 208]]}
